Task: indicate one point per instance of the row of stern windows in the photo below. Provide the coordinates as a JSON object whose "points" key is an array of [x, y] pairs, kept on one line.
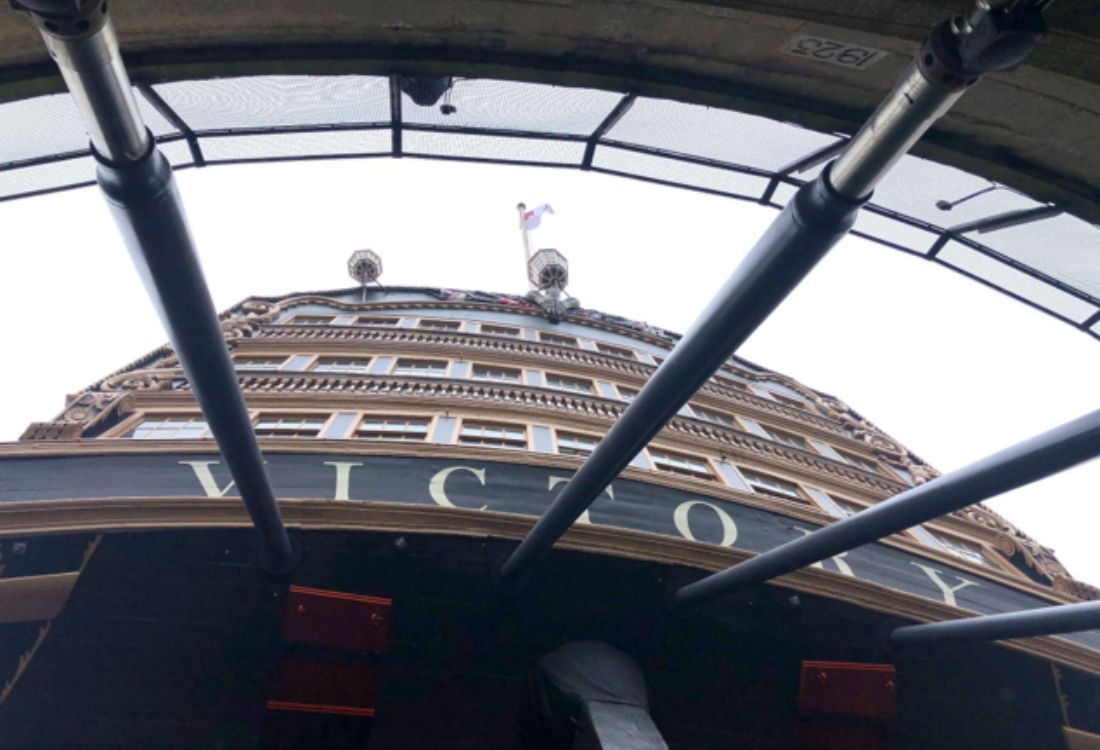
{"points": [[728, 374], [419, 367], [493, 433]]}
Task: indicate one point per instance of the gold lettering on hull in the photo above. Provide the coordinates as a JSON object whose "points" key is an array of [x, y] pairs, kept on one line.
{"points": [[555, 480], [206, 477], [343, 478], [682, 521], [947, 591], [437, 488]]}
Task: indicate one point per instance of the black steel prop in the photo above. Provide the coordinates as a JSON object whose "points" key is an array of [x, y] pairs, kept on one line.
{"points": [[1034, 459], [801, 235], [141, 192], [996, 40], [956, 54], [1066, 618]]}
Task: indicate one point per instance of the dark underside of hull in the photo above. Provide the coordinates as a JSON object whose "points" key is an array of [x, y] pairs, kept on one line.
{"points": [[175, 640]]}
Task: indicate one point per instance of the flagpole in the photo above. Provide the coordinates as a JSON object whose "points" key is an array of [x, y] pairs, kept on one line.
{"points": [[521, 208]]}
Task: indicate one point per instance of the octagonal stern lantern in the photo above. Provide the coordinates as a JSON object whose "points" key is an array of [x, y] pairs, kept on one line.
{"points": [[365, 266]]}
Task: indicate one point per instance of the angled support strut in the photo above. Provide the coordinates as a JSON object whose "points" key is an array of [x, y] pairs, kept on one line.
{"points": [[955, 55], [1065, 618], [1047, 454], [142, 195]]}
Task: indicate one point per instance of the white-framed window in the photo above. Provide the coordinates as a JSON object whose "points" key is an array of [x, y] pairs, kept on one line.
{"points": [[787, 438], [626, 393], [258, 362], [717, 417], [681, 463], [352, 365], [557, 338], [857, 460], [435, 368], [376, 320], [495, 329], [290, 425], [311, 320], [789, 401], [615, 351], [496, 373], [961, 548], [569, 383], [497, 434], [170, 427], [393, 427], [434, 324], [766, 484], [847, 507], [575, 443]]}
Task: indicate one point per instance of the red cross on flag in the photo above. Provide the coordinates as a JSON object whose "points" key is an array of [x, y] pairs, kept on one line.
{"points": [[532, 218]]}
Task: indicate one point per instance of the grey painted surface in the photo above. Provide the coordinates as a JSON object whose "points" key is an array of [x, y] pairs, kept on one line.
{"points": [[297, 363], [541, 440], [381, 365], [825, 501], [444, 431], [340, 425], [825, 449], [606, 390], [754, 427], [730, 473]]}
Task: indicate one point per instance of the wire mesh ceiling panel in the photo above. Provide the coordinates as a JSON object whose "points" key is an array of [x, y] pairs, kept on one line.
{"points": [[47, 177], [43, 126], [914, 186], [280, 146], [717, 134], [679, 172], [895, 232], [492, 148], [271, 102], [177, 153], [920, 206], [507, 105], [1062, 247], [1016, 282]]}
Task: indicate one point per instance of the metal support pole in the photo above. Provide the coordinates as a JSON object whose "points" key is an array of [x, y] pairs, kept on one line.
{"points": [[142, 195], [801, 235], [815, 220], [1027, 462], [915, 103], [1065, 618]]}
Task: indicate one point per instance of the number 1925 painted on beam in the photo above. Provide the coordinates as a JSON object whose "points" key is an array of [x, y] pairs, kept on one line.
{"points": [[832, 52]]}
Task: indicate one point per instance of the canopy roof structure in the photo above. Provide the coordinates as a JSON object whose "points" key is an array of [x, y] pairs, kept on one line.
{"points": [[736, 98]]}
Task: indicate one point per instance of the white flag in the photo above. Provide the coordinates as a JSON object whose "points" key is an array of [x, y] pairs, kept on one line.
{"points": [[532, 218]]}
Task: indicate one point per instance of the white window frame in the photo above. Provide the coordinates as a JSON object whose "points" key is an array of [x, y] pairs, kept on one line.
{"points": [[466, 422], [397, 363]]}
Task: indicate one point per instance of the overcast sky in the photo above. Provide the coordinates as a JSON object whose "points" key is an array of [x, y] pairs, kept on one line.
{"points": [[951, 369]]}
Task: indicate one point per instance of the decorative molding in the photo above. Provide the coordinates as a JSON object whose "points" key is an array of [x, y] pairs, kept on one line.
{"points": [[534, 401], [1010, 540]]}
